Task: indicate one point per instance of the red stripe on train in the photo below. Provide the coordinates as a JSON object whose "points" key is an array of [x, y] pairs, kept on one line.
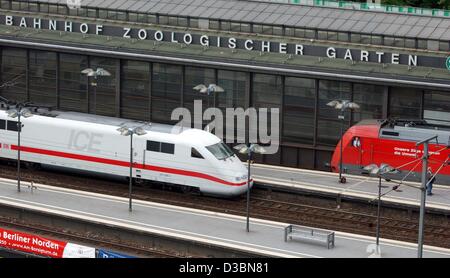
{"points": [[126, 164]]}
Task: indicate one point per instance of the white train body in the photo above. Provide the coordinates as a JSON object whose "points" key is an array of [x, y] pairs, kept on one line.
{"points": [[165, 153]]}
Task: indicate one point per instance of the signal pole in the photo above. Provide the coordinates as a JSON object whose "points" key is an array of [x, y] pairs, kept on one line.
{"points": [[423, 190]]}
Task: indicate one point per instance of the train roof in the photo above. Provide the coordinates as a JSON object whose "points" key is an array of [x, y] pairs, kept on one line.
{"points": [[105, 120], [414, 130]]}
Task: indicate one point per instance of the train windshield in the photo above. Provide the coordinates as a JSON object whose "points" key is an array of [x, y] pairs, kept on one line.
{"points": [[220, 150]]}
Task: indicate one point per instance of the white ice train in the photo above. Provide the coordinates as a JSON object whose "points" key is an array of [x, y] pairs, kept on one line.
{"points": [[187, 157]]}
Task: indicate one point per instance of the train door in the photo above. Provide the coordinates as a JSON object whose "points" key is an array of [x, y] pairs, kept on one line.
{"points": [[360, 149], [366, 152]]}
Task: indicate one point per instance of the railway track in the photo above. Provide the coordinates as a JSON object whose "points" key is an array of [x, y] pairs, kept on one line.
{"points": [[283, 207]]}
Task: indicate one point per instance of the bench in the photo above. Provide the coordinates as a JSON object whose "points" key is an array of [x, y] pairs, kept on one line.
{"points": [[309, 234]]}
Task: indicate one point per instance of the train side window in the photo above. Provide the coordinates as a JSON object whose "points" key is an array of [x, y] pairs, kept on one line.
{"points": [[167, 148], [153, 146], [390, 133], [12, 126], [2, 124], [195, 153]]}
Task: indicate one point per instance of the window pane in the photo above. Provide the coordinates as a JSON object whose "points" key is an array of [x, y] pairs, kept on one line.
{"points": [[213, 24], [299, 103], [42, 77], [166, 91], [73, 84], [102, 98], [278, 31], [167, 148], [12, 126], [444, 45], [195, 76], [343, 37], [234, 84], [370, 100], [404, 103], [235, 26], [388, 41], [153, 146], [164, 20], [267, 93], [135, 92], [13, 68], [195, 153], [355, 38], [437, 107], [328, 127]]}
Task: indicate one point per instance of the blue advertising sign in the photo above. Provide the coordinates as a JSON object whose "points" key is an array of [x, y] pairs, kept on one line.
{"points": [[104, 254]]}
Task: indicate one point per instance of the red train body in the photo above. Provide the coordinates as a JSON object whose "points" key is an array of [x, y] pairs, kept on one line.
{"points": [[394, 143]]}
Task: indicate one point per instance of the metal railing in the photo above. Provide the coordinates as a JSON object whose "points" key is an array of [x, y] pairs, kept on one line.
{"points": [[366, 7]]}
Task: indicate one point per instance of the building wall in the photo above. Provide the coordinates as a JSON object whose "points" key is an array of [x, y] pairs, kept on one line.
{"points": [[149, 91]]}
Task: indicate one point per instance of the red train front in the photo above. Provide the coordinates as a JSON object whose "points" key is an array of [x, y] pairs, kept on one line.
{"points": [[394, 142]]}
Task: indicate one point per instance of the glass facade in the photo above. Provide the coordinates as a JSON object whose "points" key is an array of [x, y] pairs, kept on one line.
{"points": [[328, 124], [194, 76], [299, 110], [149, 91], [42, 78], [405, 103], [135, 90], [73, 94], [103, 89], [370, 99], [14, 74], [166, 91]]}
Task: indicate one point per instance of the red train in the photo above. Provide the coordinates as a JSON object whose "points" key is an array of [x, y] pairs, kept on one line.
{"points": [[393, 142]]}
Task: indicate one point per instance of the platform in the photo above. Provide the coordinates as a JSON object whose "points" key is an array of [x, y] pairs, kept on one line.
{"points": [[359, 187], [266, 238]]}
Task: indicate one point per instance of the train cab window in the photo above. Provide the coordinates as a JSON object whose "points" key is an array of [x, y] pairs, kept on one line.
{"points": [[167, 148], [220, 150], [195, 153], [2, 124], [356, 142], [153, 146], [12, 126]]}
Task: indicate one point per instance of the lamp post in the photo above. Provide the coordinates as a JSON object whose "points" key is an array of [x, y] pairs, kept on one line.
{"points": [[244, 149], [19, 112], [128, 131], [95, 73], [379, 172], [212, 88], [342, 105]]}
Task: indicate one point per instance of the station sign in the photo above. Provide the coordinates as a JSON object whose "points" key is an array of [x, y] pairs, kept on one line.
{"points": [[106, 254], [33, 244], [447, 62], [207, 40]]}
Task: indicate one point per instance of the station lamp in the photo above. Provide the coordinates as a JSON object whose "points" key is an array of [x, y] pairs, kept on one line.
{"points": [[342, 105], [95, 73], [249, 150], [379, 171], [130, 131], [210, 89], [18, 113]]}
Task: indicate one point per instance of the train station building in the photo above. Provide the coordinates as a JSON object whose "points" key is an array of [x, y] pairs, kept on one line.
{"points": [[296, 56]]}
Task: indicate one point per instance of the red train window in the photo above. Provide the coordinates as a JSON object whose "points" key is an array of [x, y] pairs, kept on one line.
{"points": [[356, 142]]}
